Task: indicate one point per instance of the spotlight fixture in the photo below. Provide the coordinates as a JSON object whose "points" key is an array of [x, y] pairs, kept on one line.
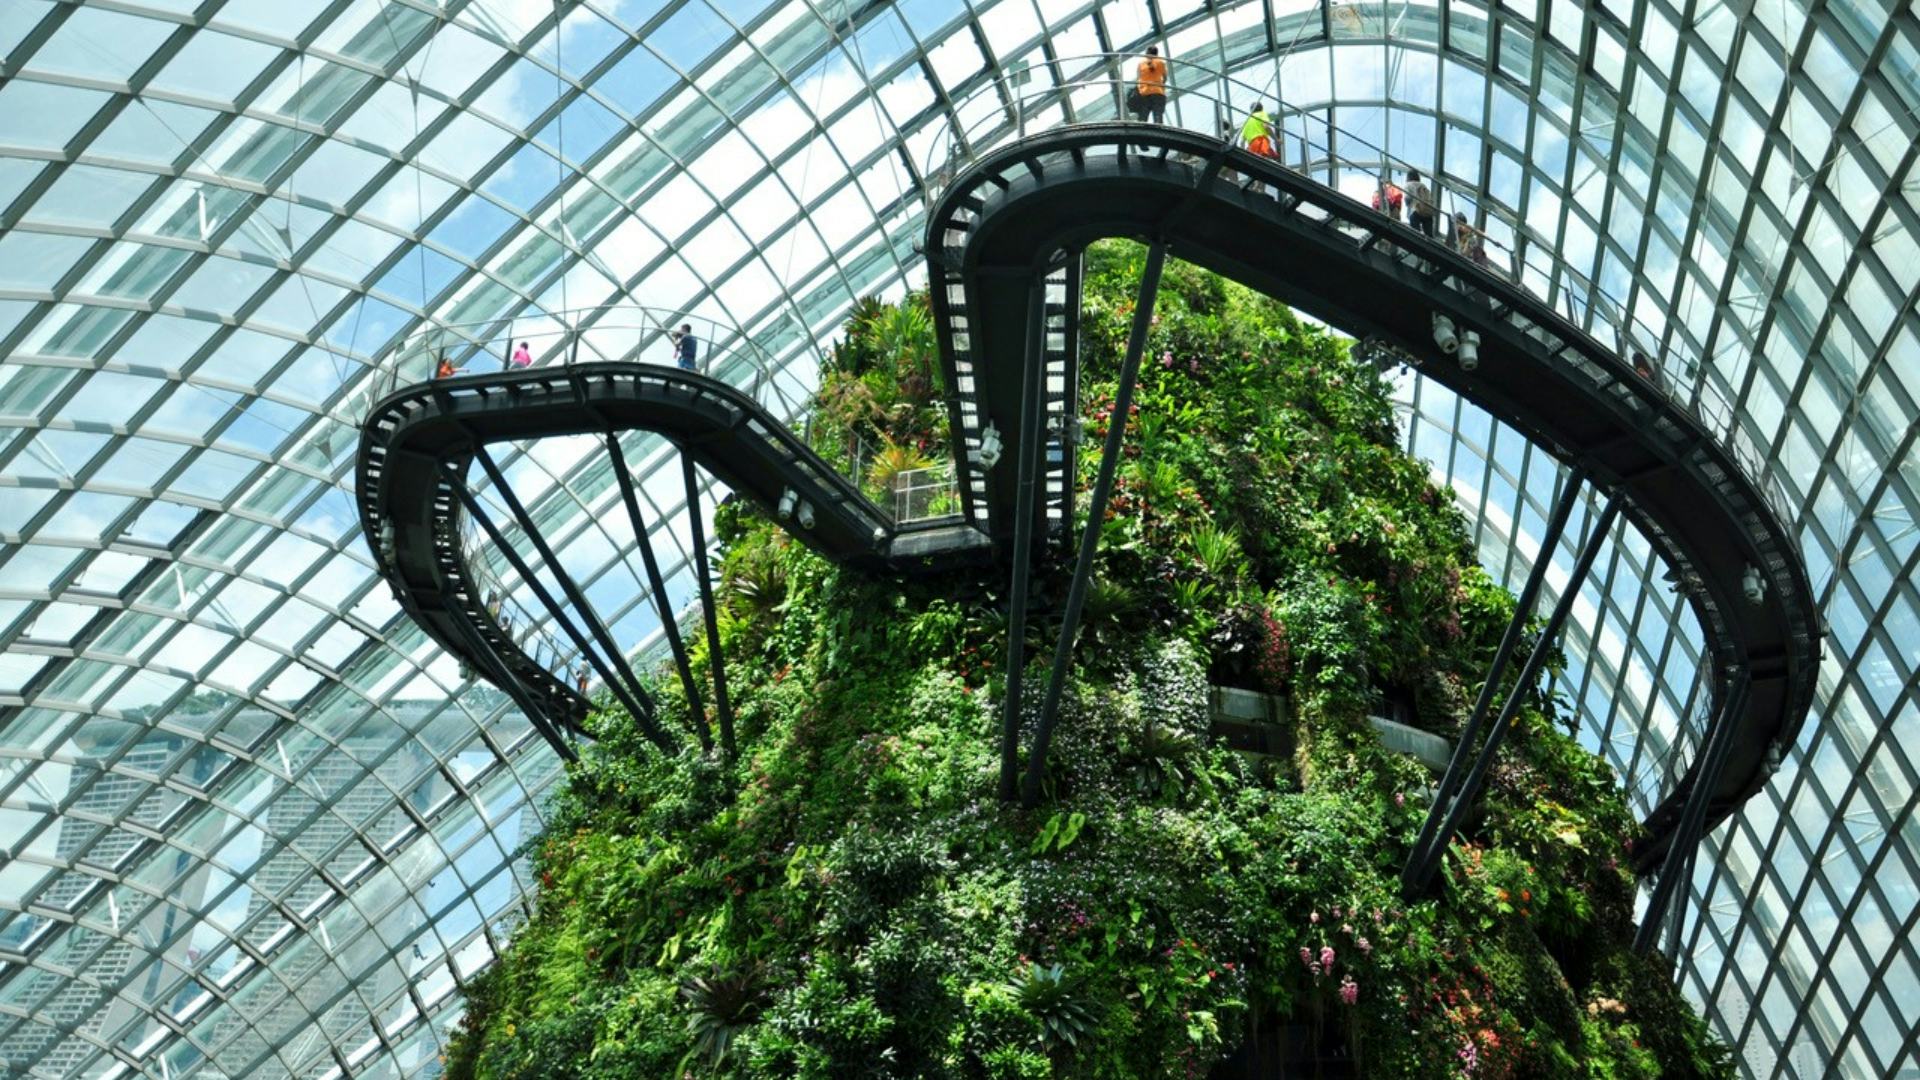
{"points": [[1469, 355], [989, 453], [1443, 334], [1753, 585], [806, 515], [788, 500]]}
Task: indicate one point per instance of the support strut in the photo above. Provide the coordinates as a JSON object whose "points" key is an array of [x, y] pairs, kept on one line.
{"points": [[1035, 373], [640, 709], [715, 661], [656, 582], [1516, 626], [1668, 890], [1422, 863], [1096, 515]]}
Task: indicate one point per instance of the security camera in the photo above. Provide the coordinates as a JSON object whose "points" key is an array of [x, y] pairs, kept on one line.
{"points": [[806, 515], [386, 541], [1469, 355], [1443, 334], [989, 453], [1774, 758], [1753, 585], [788, 500]]}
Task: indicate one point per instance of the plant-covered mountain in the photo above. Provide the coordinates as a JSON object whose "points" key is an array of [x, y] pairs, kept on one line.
{"points": [[849, 899]]}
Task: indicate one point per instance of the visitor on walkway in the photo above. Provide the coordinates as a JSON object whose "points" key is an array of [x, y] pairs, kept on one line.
{"points": [[493, 604], [580, 675], [685, 346], [1462, 232], [1151, 84], [1257, 133], [445, 369], [1420, 212], [1642, 366], [1388, 196], [522, 356]]}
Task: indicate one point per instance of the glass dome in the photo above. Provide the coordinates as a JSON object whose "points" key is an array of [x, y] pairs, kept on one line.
{"points": [[253, 823]]}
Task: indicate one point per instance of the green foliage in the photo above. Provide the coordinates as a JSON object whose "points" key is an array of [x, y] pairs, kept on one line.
{"points": [[847, 898], [1055, 1004], [722, 1005]]}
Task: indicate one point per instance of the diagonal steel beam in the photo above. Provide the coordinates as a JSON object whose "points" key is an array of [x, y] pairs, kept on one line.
{"points": [[716, 661], [1667, 891], [631, 693], [1516, 627], [1035, 373], [669, 621], [1096, 513], [1421, 864]]}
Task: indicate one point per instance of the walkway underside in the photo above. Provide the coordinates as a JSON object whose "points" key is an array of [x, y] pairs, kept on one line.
{"points": [[1003, 248]]}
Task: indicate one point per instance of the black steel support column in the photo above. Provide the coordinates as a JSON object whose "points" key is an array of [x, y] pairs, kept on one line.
{"points": [[1035, 373], [641, 709], [669, 623], [588, 615], [1522, 611], [1096, 513], [715, 661], [1668, 889], [1421, 871]]}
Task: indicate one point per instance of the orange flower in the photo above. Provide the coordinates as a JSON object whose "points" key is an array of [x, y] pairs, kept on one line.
{"points": [[1503, 896]]}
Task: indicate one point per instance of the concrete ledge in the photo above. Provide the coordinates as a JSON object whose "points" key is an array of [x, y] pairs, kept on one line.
{"points": [[1257, 723], [1431, 750]]}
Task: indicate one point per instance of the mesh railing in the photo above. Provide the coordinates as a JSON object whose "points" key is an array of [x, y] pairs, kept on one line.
{"points": [[925, 494], [1092, 90], [616, 332], [522, 625]]}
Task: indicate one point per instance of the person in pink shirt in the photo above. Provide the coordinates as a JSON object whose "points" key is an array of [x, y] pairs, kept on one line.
{"points": [[522, 356]]}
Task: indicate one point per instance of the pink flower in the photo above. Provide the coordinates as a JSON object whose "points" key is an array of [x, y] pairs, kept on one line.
{"points": [[1366, 947], [1326, 957], [1399, 798], [1349, 990], [1314, 917], [1306, 956]]}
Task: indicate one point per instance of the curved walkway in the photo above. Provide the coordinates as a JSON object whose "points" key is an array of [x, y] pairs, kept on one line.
{"points": [[1003, 244], [416, 445], [1019, 210]]}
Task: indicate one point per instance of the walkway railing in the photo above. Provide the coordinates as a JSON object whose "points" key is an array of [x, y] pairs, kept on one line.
{"points": [[1006, 109], [613, 332]]}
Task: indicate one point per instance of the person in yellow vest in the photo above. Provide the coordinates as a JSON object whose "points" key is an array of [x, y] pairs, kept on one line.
{"points": [[1151, 81], [1257, 132]]}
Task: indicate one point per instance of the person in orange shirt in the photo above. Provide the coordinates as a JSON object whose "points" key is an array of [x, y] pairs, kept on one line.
{"points": [[1151, 82]]}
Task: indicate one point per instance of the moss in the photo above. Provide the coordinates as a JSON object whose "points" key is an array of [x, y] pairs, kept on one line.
{"points": [[847, 898]]}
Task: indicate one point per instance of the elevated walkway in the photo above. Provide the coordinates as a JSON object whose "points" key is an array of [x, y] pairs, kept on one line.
{"points": [[1002, 250]]}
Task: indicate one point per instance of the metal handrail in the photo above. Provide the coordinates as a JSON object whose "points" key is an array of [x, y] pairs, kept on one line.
{"points": [[1019, 113]]}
